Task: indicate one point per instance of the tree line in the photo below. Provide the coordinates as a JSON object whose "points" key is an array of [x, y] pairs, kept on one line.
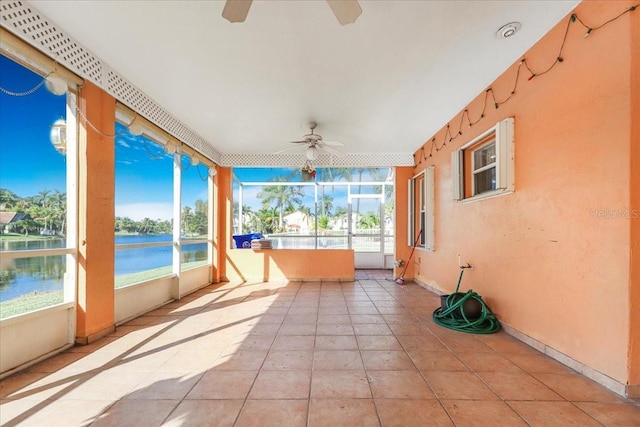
{"points": [[278, 201], [193, 223], [46, 213]]}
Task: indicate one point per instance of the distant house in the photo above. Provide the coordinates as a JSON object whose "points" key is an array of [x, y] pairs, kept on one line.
{"points": [[8, 218], [298, 222]]}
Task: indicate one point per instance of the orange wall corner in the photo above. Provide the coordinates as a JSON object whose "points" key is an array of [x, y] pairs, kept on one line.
{"points": [[633, 389], [402, 249]]}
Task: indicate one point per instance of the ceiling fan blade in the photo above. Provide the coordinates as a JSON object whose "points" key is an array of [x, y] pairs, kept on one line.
{"points": [[298, 142], [332, 151], [347, 11], [284, 150], [236, 10], [334, 143]]}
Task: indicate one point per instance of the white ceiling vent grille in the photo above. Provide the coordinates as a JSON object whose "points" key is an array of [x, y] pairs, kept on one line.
{"points": [[27, 23], [323, 160]]}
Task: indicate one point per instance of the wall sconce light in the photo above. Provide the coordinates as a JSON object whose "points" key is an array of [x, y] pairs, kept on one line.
{"points": [[55, 84], [58, 136], [136, 128], [213, 171]]}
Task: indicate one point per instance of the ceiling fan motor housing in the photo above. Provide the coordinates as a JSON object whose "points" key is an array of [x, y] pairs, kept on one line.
{"points": [[312, 137]]}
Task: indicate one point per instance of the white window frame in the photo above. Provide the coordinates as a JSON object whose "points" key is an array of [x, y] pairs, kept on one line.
{"points": [[33, 61], [425, 207], [503, 133], [475, 171], [127, 117]]}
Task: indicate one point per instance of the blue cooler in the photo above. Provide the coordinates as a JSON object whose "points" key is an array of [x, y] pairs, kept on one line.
{"points": [[243, 241]]}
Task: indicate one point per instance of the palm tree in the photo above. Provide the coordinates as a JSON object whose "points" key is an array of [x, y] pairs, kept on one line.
{"points": [[307, 213], [340, 213], [146, 226], [333, 174], [369, 220], [281, 197], [201, 207], [42, 217], [326, 203], [8, 199], [58, 205], [41, 197], [323, 223], [125, 224], [187, 216], [268, 218], [374, 173], [198, 225]]}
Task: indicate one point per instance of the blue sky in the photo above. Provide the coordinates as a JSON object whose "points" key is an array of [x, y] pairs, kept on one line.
{"points": [[144, 178], [30, 164], [28, 161]]}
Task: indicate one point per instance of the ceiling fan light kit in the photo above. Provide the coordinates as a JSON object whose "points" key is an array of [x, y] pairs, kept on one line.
{"points": [[316, 145], [311, 153], [346, 11]]}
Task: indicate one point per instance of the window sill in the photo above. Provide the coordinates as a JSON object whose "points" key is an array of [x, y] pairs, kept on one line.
{"points": [[487, 195], [423, 249]]}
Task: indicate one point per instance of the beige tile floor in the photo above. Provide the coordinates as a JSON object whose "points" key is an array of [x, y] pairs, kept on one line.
{"points": [[364, 353]]}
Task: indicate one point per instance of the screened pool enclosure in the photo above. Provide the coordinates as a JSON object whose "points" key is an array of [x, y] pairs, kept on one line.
{"points": [[338, 208]]}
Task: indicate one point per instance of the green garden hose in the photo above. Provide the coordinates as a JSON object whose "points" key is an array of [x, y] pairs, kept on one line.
{"points": [[466, 312]]}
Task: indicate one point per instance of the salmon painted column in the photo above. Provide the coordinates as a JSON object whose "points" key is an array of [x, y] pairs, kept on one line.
{"points": [[633, 382], [223, 218], [213, 228], [96, 188], [403, 250]]}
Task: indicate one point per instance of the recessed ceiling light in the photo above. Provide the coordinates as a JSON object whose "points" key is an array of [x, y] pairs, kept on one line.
{"points": [[508, 30]]}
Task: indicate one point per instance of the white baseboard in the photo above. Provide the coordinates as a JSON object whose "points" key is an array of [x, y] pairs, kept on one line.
{"points": [[624, 390]]}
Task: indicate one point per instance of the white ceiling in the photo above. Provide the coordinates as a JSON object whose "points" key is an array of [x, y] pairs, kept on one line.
{"points": [[384, 84]]}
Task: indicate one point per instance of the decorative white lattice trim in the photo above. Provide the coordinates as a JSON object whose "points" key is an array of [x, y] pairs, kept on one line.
{"points": [[323, 160], [27, 23]]}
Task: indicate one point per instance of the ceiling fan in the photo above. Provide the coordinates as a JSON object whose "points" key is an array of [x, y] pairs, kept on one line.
{"points": [[315, 145], [347, 11]]}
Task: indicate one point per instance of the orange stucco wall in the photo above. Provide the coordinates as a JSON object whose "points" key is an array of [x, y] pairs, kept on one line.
{"points": [[634, 271], [292, 264], [552, 259], [95, 309]]}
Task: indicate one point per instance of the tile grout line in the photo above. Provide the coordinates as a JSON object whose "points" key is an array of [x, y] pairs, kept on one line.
{"points": [[435, 395], [366, 373], [504, 400], [246, 398], [205, 306]]}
